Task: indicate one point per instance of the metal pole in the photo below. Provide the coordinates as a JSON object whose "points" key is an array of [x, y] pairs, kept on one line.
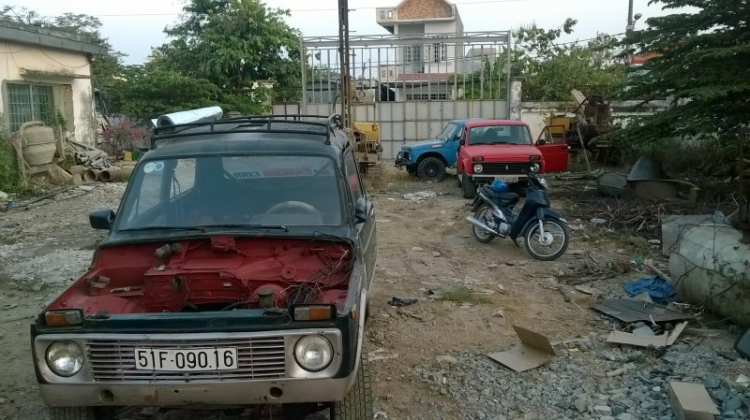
{"points": [[303, 79], [344, 57], [631, 24], [508, 96]]}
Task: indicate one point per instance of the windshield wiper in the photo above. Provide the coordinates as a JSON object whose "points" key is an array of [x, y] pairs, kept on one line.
{"points": [[246, 226], [146, 228]]}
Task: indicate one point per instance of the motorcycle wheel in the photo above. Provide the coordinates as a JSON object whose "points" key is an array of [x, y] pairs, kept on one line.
{"points": [[484, 214], [552, 246]]}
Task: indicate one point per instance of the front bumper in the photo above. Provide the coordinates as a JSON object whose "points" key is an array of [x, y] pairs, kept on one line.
{"points": [[267, 371], [402, 159], [510, 179], [213, 393]]}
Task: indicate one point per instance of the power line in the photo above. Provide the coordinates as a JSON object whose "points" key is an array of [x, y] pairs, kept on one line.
{"points": [[317, 9]]}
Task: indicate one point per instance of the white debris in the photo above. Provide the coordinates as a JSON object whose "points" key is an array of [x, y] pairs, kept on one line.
{"points": [[417, 197]]}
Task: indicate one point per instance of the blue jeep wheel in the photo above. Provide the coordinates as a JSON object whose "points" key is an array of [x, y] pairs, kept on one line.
{"points": [[431, 169]]}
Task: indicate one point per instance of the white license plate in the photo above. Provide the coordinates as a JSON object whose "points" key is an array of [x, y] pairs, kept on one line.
{"points": [[186, 360], [508, 179]]}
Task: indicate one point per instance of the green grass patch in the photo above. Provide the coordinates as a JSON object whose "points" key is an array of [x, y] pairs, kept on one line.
{"points": [[462, 295]]}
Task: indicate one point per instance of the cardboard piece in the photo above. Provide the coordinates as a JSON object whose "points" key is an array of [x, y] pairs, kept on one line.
{"points": [[690, 401], [664, 340], [620, 337], [534, 351]]}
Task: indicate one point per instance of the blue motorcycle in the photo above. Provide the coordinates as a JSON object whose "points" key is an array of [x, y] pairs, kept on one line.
{"points": [[545, 232]]}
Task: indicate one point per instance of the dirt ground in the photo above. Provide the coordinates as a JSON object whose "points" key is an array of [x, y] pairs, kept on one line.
{"points": [[423, 246]]}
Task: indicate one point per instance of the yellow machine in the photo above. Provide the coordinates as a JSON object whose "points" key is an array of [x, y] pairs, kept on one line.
{"points": [[581, 129]]}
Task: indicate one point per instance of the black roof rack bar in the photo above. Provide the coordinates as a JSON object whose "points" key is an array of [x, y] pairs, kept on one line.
{"points": [[259, 124]]}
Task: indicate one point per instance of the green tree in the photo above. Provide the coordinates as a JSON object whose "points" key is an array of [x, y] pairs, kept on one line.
{"points": [[701, 66], [145, 92], [234, 43], [550, 69]]}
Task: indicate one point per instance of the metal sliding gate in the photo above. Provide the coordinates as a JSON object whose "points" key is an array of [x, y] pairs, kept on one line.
{"points": [[410, 85]]}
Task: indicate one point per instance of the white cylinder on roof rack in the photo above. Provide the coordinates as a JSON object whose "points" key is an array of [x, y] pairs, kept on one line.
{"points": [[192, 116]]}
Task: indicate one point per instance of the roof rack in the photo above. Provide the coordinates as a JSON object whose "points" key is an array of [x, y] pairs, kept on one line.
{"points": [[318, 125]]}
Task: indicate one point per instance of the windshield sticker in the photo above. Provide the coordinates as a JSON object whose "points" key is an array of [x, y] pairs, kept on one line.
{"points": [[159, 166], [149, 168], [282, 172]]}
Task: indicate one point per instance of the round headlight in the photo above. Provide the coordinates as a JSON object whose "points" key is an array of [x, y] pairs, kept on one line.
{"points": [[478, 168], [64, 358], [535, 167], [313, 353]]}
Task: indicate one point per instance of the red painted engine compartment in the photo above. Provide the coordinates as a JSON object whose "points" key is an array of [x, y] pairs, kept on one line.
{"points": [[217, 273]]}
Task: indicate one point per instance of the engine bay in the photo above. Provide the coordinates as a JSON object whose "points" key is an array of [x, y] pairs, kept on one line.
{"points": [[220, 273]]}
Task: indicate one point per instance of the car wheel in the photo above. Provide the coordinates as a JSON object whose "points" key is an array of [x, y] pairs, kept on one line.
{"points": [[469, 188], [357, 405], [81, 413], [431, 169]]}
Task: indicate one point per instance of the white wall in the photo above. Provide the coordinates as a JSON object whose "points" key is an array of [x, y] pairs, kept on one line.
{"points": [[14, 57], [441, 27]]}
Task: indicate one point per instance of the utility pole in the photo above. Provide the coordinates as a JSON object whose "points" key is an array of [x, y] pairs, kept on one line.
{"points": [[631, 24], [346, 109]]}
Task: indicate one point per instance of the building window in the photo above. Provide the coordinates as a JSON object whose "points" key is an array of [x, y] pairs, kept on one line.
{"points": [[29, 103], [439, 52]]}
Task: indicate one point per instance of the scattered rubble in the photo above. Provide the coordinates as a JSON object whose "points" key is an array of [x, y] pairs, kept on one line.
{"points": [[576, 385], [417, 197]]}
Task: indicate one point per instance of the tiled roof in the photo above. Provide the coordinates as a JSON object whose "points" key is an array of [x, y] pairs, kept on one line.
{"points": [[425, 9]]}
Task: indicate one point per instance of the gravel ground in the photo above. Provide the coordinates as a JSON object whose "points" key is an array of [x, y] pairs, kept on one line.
{"points": [[575, 385]]}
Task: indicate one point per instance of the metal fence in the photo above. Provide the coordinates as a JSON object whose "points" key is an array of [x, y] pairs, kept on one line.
{"points": [[411, 85]]}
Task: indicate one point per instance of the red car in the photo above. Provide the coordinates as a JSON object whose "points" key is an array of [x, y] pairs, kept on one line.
{"points": [[503, 149]]}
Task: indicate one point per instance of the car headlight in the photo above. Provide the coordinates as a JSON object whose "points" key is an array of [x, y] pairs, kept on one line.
{"points": [[64, 358], [478, 169], [535, 167], [313, 353]]}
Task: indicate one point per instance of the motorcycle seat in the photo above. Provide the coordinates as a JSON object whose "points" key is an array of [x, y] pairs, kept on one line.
{"points": [[501, 198]]}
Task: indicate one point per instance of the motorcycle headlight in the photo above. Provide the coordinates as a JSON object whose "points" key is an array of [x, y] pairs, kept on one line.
{"points": [[313, 353], [535, 167], [478, 168], [64, 358]]}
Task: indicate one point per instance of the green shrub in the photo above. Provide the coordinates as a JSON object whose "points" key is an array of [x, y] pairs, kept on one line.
{"points": [[8, 171]]}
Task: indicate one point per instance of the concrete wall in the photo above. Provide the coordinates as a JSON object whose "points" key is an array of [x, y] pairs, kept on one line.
{"points": [[69, 74]]}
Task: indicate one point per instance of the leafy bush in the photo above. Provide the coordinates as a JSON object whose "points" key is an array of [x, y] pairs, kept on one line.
{"points": [[8, 171], [123, 136]]}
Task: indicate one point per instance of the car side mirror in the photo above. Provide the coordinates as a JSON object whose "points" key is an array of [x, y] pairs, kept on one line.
{"points": [[360, 210], [102, 219], [541, 142]]}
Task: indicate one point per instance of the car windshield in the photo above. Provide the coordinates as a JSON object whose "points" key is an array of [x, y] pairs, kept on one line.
{"points": [[232, 191], [500, 134], [447, 132]]}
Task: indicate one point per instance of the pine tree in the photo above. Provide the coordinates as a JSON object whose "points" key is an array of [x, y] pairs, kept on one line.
{"points": [[702, 66]]}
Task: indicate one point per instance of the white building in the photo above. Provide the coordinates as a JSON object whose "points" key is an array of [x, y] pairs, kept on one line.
{"points": [[46, 74]]}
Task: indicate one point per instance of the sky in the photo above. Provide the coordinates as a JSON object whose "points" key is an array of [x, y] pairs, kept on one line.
{"points": [[134, 26]]}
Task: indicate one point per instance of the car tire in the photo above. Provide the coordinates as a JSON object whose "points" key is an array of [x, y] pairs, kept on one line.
{"points": [[468, 188], [81, 413], [357, 405], [431, 169]]}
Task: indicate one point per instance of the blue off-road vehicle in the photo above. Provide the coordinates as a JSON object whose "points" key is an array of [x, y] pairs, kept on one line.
{"points": [[429, 159]]}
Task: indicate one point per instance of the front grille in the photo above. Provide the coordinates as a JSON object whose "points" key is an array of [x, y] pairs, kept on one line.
{"points": [[257, 358], [514, 168]]}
